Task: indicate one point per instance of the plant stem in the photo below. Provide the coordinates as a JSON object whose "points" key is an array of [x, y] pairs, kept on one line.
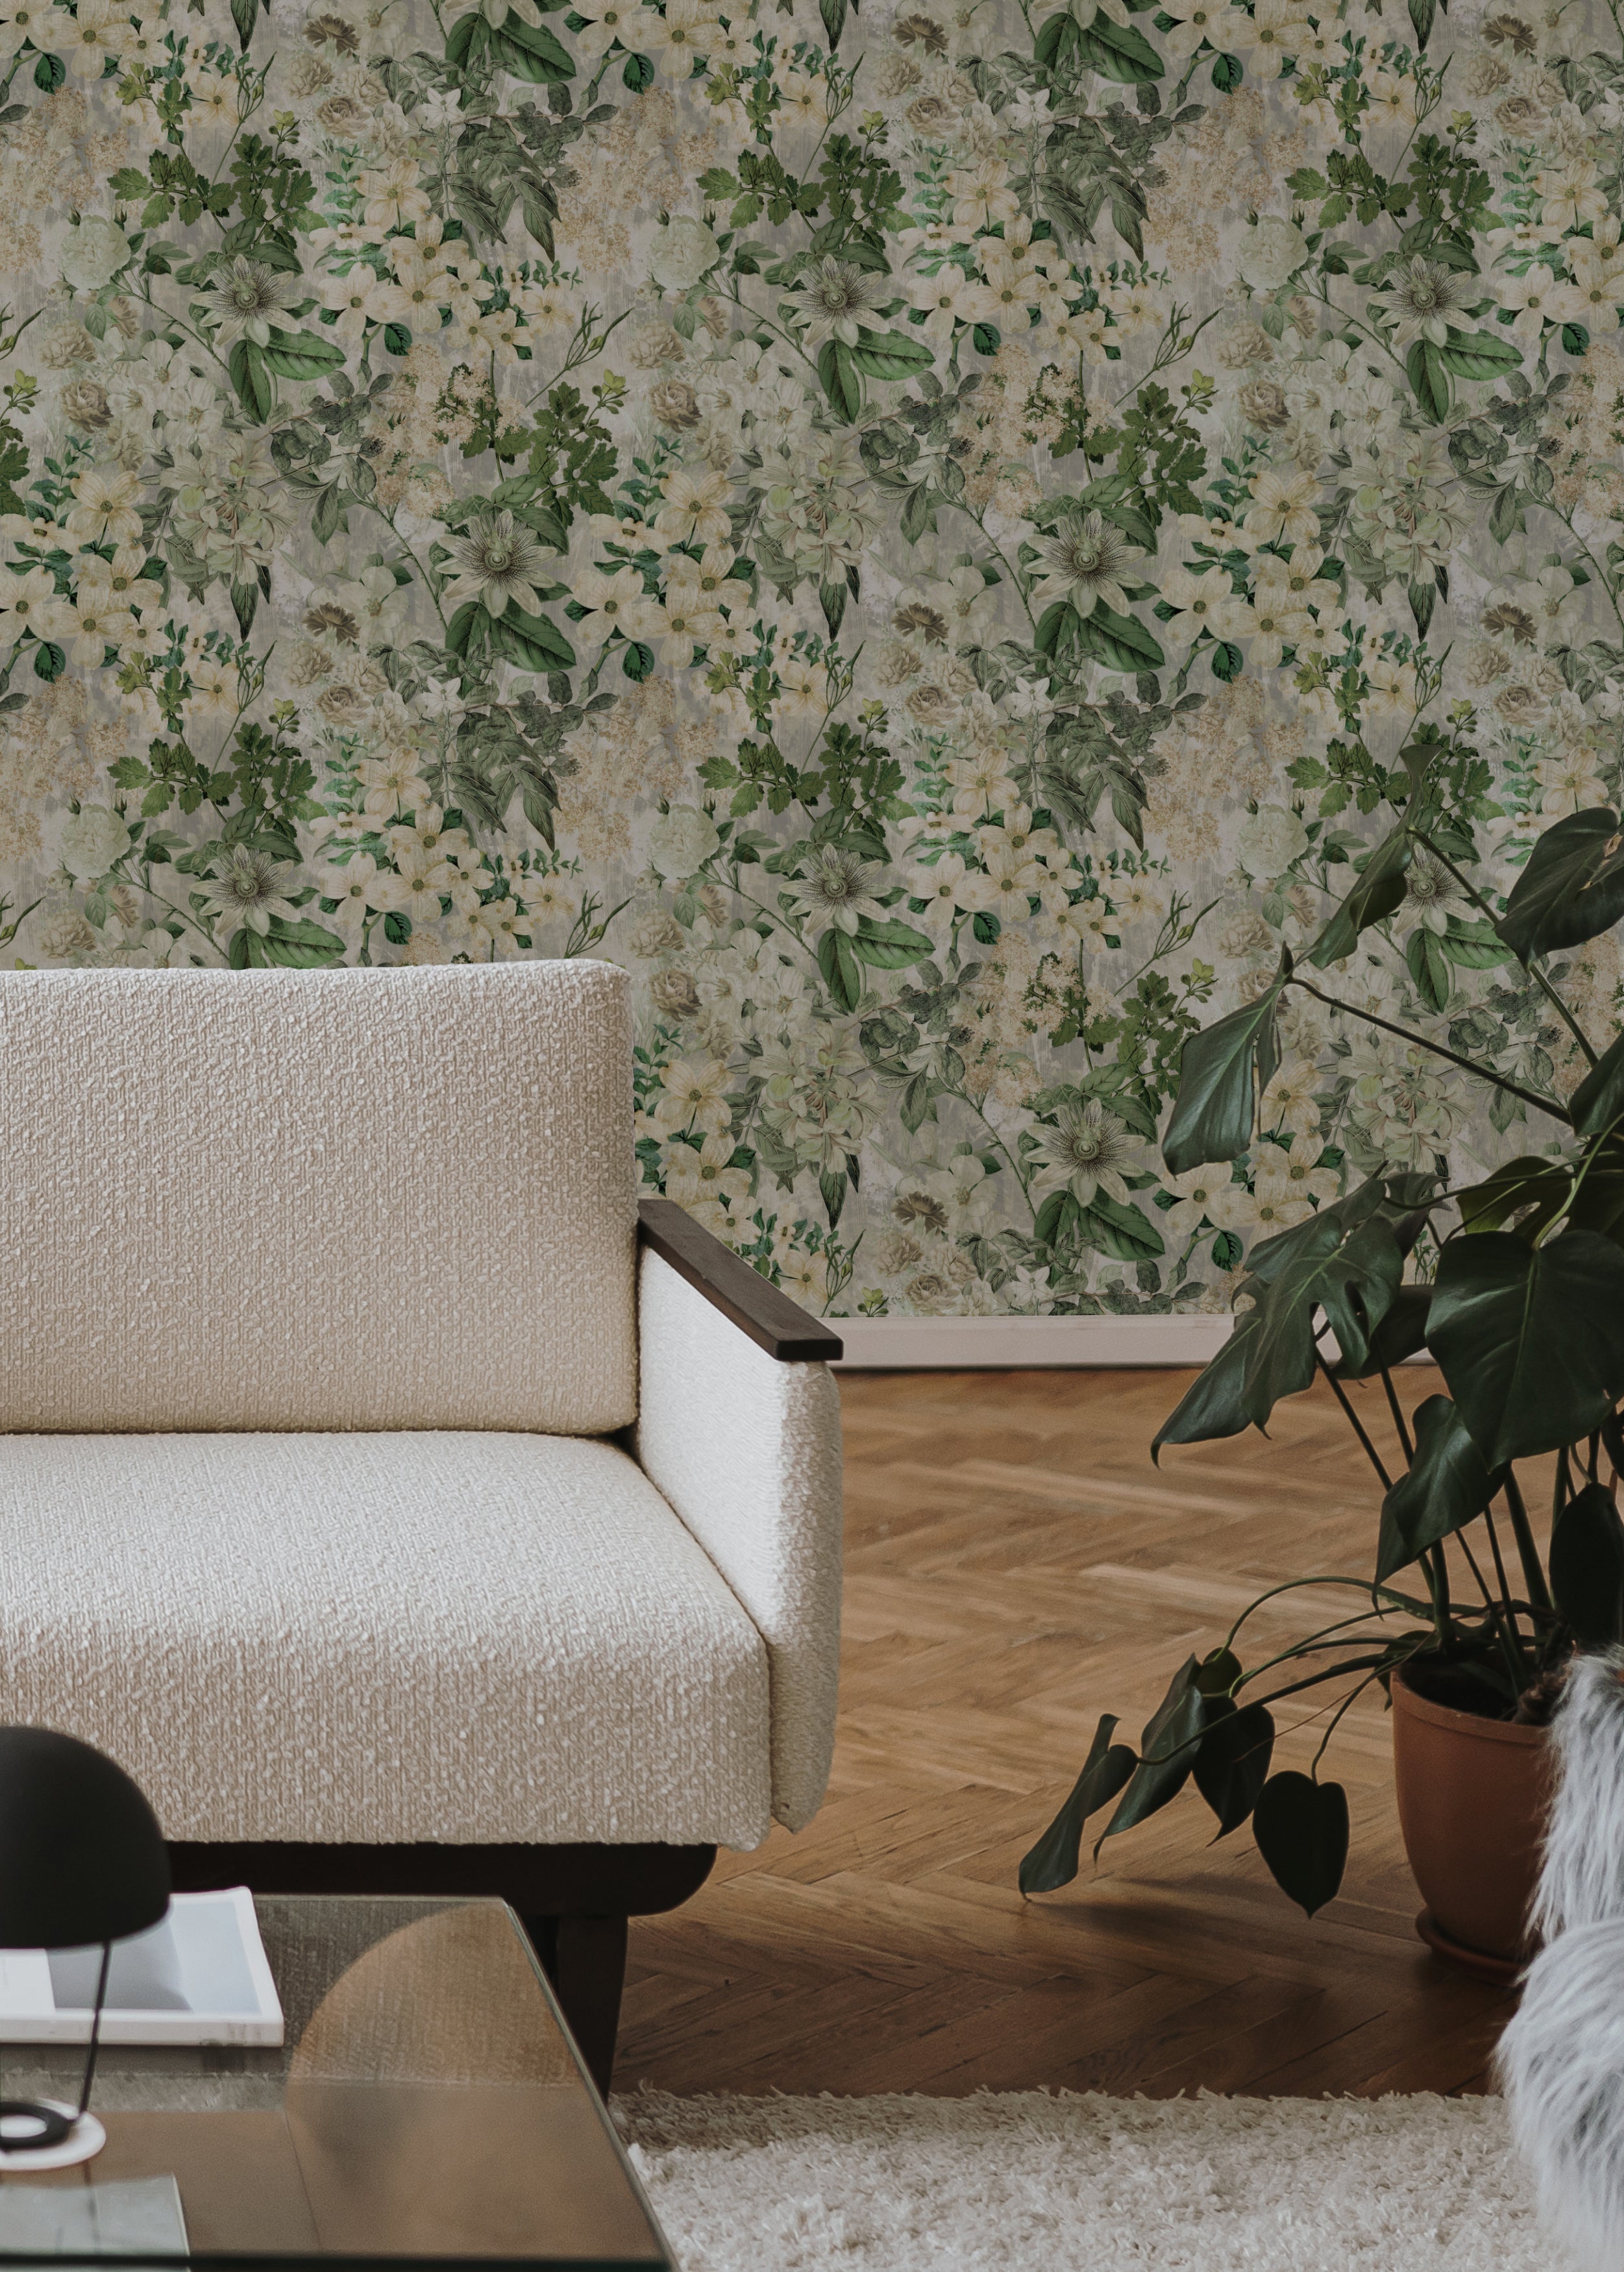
{"points": [[1354, 1422], [1539, 977], [1512, 1088], [1528, 1553], [1395, 1408], [1406, 1602], [1352, 1698]]}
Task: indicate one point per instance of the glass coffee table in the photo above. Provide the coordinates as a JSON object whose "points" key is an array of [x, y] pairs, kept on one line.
{"points": [[426, 2106]]}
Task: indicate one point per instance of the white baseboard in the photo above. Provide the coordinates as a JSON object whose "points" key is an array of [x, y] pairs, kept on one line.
{"points": [[918, 1344]]}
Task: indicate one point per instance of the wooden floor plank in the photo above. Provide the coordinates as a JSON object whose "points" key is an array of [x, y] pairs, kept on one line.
{"points": [[1016, 1565]]}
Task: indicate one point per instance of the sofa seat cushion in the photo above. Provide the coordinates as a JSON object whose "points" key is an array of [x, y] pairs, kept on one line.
{"points": [[449, 1635]]}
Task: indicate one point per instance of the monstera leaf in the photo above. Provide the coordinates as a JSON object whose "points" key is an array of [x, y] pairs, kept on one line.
{"points": [[1587, 1566], [1449, 1485], [1571, 890], [1220, 1073], [1379, 890], [1344, 1263], [1598, 1101], [1530, 1339]]}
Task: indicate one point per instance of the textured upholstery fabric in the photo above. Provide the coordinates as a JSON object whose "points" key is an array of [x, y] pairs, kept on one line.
{"points": [[455, 1636], [345, 1198], [748, 1452]]}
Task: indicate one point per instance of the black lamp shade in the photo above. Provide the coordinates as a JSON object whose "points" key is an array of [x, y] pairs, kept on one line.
{"points": [[82, 1858]]}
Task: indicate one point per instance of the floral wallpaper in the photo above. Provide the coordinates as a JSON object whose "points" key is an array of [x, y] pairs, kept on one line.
{"points": [[931, 535]]}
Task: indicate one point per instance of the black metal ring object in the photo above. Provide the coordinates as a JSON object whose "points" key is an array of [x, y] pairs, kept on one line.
{"points": [[52, 2125]]}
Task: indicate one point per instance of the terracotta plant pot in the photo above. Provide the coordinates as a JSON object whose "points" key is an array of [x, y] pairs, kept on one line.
{"points": [[1472, 1797]]}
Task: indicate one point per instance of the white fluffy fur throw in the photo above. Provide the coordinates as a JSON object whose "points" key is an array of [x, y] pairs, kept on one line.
{"points": [[1561, 2060]]}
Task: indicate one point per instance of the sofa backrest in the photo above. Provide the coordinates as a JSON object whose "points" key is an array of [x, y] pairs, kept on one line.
{"points": [[317, 1199]]}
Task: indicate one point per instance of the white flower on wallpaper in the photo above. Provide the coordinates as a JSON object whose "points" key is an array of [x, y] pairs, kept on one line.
{"points": [[926, 534]]}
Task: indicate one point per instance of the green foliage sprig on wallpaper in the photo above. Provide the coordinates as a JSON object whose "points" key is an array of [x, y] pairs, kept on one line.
{"points": [[934, 535]]}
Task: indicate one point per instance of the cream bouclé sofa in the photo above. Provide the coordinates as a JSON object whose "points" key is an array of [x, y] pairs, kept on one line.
{"points": [[396, 1506]]}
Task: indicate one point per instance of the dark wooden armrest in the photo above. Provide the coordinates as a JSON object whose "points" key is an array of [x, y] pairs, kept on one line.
{"points": [[755, 1306]]}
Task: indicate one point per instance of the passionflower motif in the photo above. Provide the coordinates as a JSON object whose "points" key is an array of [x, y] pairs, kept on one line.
{"points": [[1084, 562], [498, 560], [1422, 300], [248, 299], [1085, 1152], [839, 299], [840, 887], [250, 889]]}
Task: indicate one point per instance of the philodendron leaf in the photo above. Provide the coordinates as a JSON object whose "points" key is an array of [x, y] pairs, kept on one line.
{"points": [[1572, 888], [1597, 1202], [1166, 1752], [1053, 1861], [1231, 1765], [1401, 1333], [1598, 1101], [1530, 1339], [1447, 1486], [1214, 1404], [1301, 1829], [1586, 1567], [1220, 1073], [1379, 891]]}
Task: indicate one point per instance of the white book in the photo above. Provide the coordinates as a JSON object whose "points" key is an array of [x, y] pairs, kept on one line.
{"points": [[199, 1977]]}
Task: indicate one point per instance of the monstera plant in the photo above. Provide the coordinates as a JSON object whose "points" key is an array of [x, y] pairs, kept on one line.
{"points": [[1520, 1303]]}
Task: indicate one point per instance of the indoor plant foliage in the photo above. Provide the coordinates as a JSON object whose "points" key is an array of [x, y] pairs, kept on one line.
{"points": [[920, 530], [1522, 1309]]}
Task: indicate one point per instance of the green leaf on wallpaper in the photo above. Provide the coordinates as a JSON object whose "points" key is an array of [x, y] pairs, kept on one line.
{"points": [[1118, 52], [1227, 73], [842, 976], [250, 377], [1120, 642], [530, 52], [468, 39], [1429, 379], [1057, 40], [889, 946], [297, 946], [1122, 1232], [397, 338], [834, 15], [891, 354], [1480, 355], [638, 73], [49, 661], [1576, 339], [1429, 967], [49, 73], [1226, 661], [532, 642], [838, 374], [460, 629], [986, 339], [302, 354], [637, 660]]}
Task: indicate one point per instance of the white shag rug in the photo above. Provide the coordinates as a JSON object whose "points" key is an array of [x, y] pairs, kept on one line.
{"points": [[1031, 2181]]}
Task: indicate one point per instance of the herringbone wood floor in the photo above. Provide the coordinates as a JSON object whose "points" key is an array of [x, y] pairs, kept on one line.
{"points": [[1015, 1566]]}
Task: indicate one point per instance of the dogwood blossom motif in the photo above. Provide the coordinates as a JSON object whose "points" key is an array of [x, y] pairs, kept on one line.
{"points": [[942, 543]]}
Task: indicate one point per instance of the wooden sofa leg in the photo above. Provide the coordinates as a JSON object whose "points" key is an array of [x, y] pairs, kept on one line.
{"points": [[585, 1960]]}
